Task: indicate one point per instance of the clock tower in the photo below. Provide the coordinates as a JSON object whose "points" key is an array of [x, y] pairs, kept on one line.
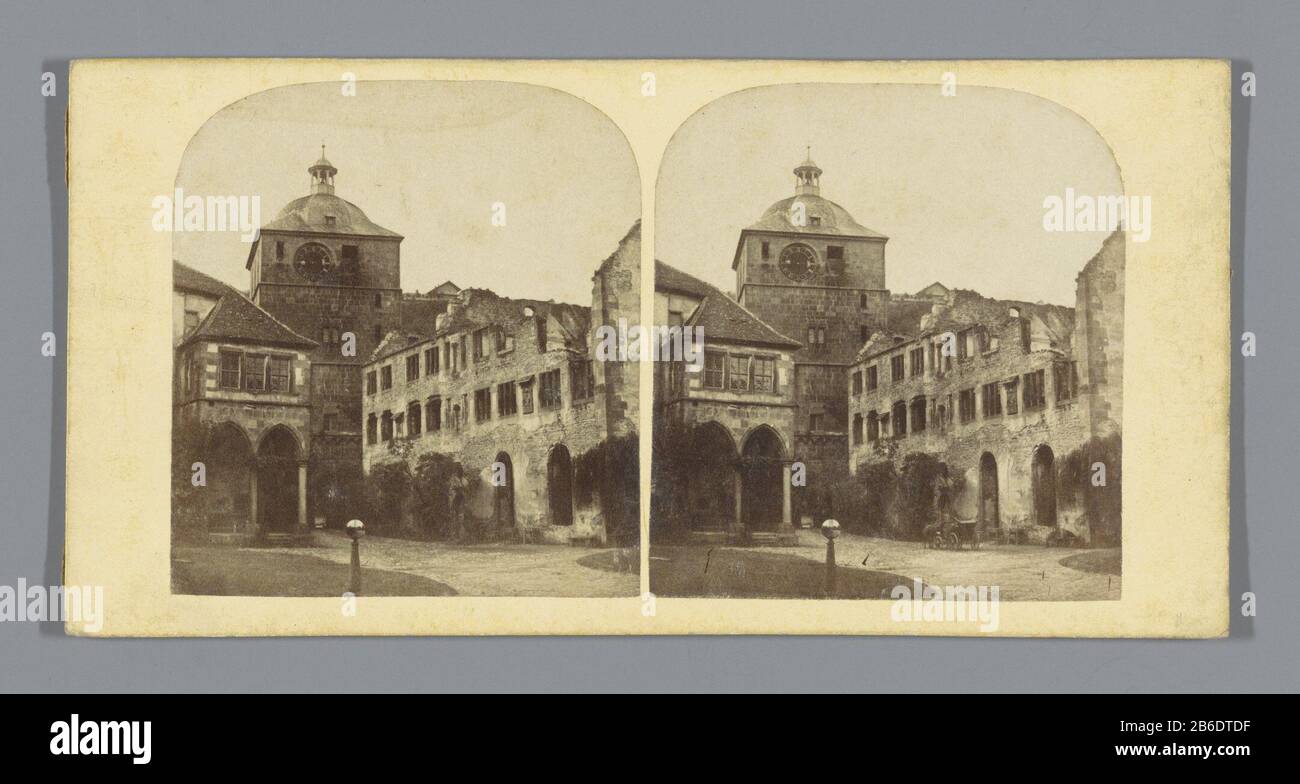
{"points": [[810, 271], [325, 270]]}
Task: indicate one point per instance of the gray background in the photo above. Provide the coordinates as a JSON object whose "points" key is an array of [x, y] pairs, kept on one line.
{"points": [[1259, 656]]}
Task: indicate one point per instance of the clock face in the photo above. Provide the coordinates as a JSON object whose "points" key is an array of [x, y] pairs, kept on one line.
{"points": [[312, 261], [798, 262]]}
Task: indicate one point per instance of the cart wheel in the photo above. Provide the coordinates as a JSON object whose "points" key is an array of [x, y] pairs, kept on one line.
{"points": [[975, 542], [937, 543], [954, 541]]}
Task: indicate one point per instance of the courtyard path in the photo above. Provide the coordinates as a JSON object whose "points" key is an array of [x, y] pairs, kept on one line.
{"points": [[1021, 572], [489, 569]]}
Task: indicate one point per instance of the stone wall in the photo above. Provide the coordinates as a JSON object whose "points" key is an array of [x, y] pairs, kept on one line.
{"points": [[527, 439]]}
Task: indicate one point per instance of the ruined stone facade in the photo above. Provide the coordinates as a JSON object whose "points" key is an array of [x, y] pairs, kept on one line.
{"points": [[999, 391], [512, 390]]}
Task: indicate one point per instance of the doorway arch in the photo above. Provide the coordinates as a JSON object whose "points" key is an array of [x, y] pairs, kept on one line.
{"points": [[229, 477], [559, 485], [762, 480], [503, 495], [989, 491], [710, 474], [277, 480], [1044, 481]]}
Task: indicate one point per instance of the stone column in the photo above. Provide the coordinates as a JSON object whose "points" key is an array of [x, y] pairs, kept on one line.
{"points": [[785, 495], [253, 526], [737, 524], [302, 497]]}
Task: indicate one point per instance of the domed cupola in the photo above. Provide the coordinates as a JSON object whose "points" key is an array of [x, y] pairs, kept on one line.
{"points": [[809, 177], [808, 212], [322, 174]]}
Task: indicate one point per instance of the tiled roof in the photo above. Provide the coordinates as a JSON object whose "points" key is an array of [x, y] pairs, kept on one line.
{"points": [[720, 316], [831, 218], [190, 279], [235, 319], [310, 213]]}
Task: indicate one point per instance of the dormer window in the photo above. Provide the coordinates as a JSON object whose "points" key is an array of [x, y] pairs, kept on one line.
{"points": [[814, 220], [330, 220]]}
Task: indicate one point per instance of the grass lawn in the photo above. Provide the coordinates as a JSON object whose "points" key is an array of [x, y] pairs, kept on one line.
{"points": [[1096, 561], [229, 571], [703, 571]]}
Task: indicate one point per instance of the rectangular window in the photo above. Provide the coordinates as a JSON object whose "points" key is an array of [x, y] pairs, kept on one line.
{"points": [[862, 301], [896, 368], [482, 404], [582, 380], [279, 377], [864, 333], [413, 368], [448, 359], [738, 372], [764, 375], [966, 404], [386, 377], [814, 422], [992, 400], [526, 395], [1035, 394], [254, 372], [464, 351], [767, 250], [350, 258], [873, 426], [372, 429], [541, 333], [899, 418], [1013, 395], [873, 379], [1065, 378], [506, 403], [191, 320], [386, 426], [857, 382], [918, 361], [480, 344], [399, 425], [372, 383], [230, 364], [430, 361], [433, 414], [714, 369], [413, 417], [549, 392], [834, 253], [279, 250], [504, 341], [918, 415]]}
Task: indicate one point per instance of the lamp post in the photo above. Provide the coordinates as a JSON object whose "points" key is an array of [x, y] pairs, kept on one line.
{"points": [[356, 529], [830, 530]]}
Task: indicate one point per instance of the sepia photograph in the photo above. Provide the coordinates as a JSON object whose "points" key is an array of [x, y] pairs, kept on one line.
{"points": [[387, 299], [910, 305]]}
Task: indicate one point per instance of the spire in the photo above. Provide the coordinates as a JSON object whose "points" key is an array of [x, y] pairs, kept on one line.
{"points": [[322, 174], [808, 176]]}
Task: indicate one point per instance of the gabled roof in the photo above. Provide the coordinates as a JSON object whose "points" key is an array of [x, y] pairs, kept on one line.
{"points": [[189, 279], [235, 319], [446, 287], [721, 317]]}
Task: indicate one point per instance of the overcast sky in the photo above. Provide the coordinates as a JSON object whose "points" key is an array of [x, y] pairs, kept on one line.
{"points": [[427, 160], [957, 183]]}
